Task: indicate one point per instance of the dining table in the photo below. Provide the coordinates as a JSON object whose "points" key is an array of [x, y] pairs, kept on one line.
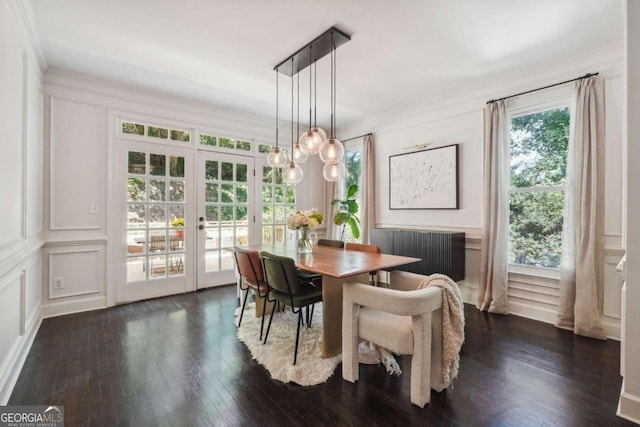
{"points": [[338, 268]]}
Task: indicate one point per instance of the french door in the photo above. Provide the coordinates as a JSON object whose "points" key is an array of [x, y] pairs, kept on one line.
{"points": [[225, 214], [157, 185]]}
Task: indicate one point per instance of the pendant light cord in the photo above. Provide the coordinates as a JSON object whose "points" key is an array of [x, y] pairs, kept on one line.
{"points": [[277, 79], [310, 52], [291, 154], [315, 93], [298, 101]]}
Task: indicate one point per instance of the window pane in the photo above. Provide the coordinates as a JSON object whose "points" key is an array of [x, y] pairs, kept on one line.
{"points": [[211, 170], [176, 166], [227, 213], [157, 216], [132, 128], [226, 193], [157, 164], [135, 216], [227, 143], [208, 140], [243, 145], [241, 194], [264, 148], [157, 190], [241, 214], [176, 191], [241, 172], [536, 228], [291, 195], [227, 171], [212, 213], [267, 174], [211, 193], [176, 212], [279, 194], [157, 132], [137, 163], [267, 194], [180, 135], [539, 148], [136, 189]]}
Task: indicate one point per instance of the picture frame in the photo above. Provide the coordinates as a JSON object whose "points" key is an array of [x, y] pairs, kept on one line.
{"points": [[425, 179]]}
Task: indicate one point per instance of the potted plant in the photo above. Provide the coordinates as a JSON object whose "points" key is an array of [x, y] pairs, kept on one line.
{"points": [[346, 213], [178, 222]]}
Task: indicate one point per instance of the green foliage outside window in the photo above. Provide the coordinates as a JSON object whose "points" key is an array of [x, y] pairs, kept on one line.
{"points": [[539, 144]]}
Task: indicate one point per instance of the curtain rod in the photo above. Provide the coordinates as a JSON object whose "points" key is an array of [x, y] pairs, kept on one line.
{"points": [[356, 137], [542, 88]]}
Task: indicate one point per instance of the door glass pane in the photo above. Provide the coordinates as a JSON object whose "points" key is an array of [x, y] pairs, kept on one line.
{"points": [[226, 171], [211, 193], [241, 173], [211, 170], [226, 193], [154, 227], [157, 164]]}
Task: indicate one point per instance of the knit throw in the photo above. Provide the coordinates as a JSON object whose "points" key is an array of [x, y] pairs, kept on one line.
{"points": [[452, 324]]}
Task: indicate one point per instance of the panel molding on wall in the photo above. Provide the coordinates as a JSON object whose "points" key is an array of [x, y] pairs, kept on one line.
{"points": [[81, 269], [70, 207]]}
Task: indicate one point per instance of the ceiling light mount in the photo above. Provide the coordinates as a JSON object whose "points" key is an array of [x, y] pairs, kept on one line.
{"points": [[312, 51]]}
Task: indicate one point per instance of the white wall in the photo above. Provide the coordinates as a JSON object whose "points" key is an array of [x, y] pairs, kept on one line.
{"points": [[20, 192], [459, 120], [81, 116], [629, 406]]}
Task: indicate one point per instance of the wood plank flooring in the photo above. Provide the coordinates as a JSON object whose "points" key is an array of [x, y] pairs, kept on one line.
{"points": [[175, 361]]}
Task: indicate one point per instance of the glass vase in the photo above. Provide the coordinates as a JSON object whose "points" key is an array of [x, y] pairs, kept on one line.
{"points": [[304, 243]]}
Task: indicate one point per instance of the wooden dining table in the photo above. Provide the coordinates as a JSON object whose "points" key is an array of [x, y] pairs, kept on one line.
{"points": [[337, 266]]}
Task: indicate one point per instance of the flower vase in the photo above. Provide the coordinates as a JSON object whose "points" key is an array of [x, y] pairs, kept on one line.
{"points": [[304, 243]]}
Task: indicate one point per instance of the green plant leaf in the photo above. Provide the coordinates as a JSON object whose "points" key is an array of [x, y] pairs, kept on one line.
{"points": [[352, 206], [341, 217], [336, 201], [355, 230], [353, 189]]}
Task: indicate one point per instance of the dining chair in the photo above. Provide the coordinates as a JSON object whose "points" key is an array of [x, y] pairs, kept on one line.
{"points": [[288, 289], [331, 242], [350, 246], [403, 320], [314, 278], [251, 279]]}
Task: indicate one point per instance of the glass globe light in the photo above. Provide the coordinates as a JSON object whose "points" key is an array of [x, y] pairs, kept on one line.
{"points": [[334, 172], [277, 158], [292, 174], [299, 154], [331, 151], [311, 141]]}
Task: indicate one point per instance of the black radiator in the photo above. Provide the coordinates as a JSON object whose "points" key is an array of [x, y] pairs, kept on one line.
{"points": [[440, 252]]}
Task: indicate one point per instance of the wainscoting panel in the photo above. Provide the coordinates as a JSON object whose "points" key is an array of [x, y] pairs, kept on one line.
{"points": [[79, 270]]}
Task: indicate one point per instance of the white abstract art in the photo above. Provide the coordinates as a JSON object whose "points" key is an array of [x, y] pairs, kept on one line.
{"points": [[425, 179]]}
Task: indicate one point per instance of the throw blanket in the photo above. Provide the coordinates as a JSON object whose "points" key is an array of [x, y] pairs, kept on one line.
{"points": [[452, 324]]}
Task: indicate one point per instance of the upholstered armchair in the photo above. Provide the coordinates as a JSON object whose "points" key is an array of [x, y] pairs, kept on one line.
{"points": [[401, 319]]}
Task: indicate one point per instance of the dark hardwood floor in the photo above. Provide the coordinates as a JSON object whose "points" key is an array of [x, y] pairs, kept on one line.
{"points": [[175, 361]]}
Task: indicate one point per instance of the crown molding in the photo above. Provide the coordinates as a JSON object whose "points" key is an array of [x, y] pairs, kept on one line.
{"points": [[22, 13], [606, 59]]}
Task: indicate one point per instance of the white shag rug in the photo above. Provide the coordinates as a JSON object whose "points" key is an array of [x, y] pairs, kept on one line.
{"points": [[277, 354], [310, 368]]}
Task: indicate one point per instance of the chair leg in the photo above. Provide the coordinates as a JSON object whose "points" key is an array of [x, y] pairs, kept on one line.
{"points": [[295, 352], [244, 302], [266, 335], [313, 307], [264, 307]]}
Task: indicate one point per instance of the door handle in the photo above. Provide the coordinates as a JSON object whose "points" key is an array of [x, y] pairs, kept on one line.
{"points": [[201, 227], [201, 219]]}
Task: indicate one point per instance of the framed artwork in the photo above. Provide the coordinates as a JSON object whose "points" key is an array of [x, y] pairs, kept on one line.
{"points": [[426, 179]]}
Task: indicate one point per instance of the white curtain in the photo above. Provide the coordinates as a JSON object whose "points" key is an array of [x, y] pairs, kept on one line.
{"points": [[581, 275], [492, 295], [331, 192], [368, 189]]}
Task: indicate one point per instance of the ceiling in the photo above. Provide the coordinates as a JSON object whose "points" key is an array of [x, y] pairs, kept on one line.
{"points": [[402, 53]]}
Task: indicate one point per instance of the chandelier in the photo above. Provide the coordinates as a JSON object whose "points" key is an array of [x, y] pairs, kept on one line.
{"points": [[314, 140]]}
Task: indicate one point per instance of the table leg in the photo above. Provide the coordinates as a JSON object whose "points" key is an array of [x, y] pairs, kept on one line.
{"points": [[331, 316]]}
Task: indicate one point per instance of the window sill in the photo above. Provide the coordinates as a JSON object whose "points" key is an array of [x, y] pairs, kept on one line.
{"points": [[548, 273]]}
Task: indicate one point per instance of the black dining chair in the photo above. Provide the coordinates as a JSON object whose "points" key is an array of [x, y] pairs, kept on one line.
{"points": [[286, 288], [331, 242]]}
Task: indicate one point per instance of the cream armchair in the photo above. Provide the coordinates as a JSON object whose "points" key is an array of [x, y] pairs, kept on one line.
{"points": [[400, 319]]}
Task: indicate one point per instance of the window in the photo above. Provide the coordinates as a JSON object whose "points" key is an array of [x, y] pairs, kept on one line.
{"points": [[218, 141], [278, 201], [539, 143], [156, 132], [353, 164]]}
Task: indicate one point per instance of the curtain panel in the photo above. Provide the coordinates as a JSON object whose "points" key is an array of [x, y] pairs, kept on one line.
{"points": [[492, 294]]}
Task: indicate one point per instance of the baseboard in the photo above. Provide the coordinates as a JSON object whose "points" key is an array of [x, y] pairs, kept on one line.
{"points": [[77, 306], [17, 359], [629, 406]]}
